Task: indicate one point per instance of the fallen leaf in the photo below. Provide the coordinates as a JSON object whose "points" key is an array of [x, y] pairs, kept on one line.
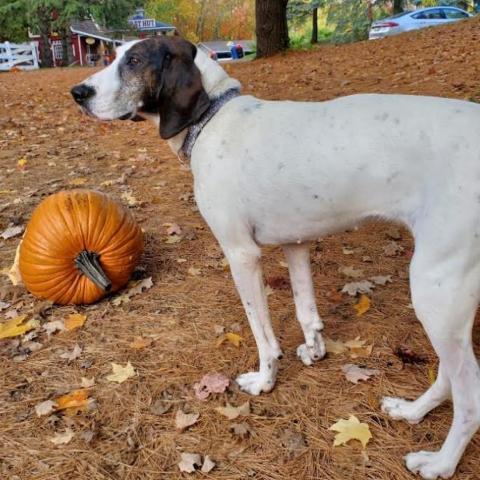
{"points": [[17, 326], [351, 429], [22, 163], [334, 346], [278, 283], [184, 420], [381, 279], [11, 232], [356, 343], [194, 272], [189, 462], [129, 198], [140, 286], [354, 288], [230, 337], [62, 438], [54, 326], [45, 408], [351, 272], [241, 430], [173, 239], [74, 321], [87, 382], [13, 272], [120, 374], [73, 355], [173, 228], [208, 465], [211, 383], [407, 355], [219, 330], [354, 373], [363, 305], [392, 248], [140, 342], [233, 412], [347, 251], [77, 400], [160, 407], [78, 181], [293, 441]]}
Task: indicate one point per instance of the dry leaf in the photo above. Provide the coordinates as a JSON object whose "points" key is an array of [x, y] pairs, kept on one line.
{"points": [[160, 407], [173, 239], [17, 326], [87, 382], [354, 373], [120, 374], [230, 337], [354, 288], [62, 438], [54, 326], [173, 228], [184, 420], [241, 430], [11, 232], [77, 399], [211, 383], [334, 346], [189, 462], [45, 408], [208, 464], [74, 320], [347, 251], [392, 248], [381, 279], [22, 163], [233, 412], [140, 286], [194, 272], [407, 355], [14, 271], [73, 355], [293, 441], [78, 181], [129, 198], [362, 306], [361, 352], [140, 343], [351, 429], [351, 272]]}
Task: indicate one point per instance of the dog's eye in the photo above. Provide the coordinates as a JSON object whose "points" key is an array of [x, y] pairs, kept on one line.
{"points": [[133, 61]]}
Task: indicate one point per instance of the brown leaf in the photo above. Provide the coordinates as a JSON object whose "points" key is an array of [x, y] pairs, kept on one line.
{"points": [[74, 321], [184, 420], [354, 373], [407, 355], [278, 283], [211, 383]]}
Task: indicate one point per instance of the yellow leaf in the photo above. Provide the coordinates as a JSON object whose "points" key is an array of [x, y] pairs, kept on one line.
{"points": [[361, 352], [120, 374], [14, 272], [230, 337], [78, 181], [140, 343], [74, 320], [351, 429], [22, 163], [73, 402], [16, 326], [334, 346], [363, 305]]}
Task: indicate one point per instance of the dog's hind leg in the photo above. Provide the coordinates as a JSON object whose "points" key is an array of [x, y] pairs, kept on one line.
{"points": [[298, 258], [445, 285], [247, 273]]}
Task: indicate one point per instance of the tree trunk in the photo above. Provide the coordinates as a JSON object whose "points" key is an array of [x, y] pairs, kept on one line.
{"points": [[397, 6], [44, 22], [314, 38], [67, 50], [271, 27]]}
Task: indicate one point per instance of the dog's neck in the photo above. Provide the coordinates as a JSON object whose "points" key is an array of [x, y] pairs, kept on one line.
{"points": [[215, 81]]}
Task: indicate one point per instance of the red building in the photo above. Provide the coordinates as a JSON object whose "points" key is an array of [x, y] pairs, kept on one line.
{"points": [[94, 45]]}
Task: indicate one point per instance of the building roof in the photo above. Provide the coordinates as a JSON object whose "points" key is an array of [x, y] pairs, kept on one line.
{"points": [[142, 23], [89, 28]]}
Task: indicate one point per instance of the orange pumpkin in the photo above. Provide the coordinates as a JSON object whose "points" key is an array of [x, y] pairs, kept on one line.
{"points": [[79, 245]]}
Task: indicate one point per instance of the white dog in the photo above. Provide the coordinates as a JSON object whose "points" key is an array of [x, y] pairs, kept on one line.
{"points": [[285, 173]]}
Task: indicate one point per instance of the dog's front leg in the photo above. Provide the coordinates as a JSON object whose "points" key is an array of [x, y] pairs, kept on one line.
{"points": [[247, 274], [298, 258]]}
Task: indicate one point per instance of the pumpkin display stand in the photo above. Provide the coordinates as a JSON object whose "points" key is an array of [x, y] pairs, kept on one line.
{"points": [[78, 246]]}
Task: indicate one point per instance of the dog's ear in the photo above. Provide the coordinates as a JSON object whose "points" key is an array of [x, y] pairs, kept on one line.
{"points": [[181, 97]]}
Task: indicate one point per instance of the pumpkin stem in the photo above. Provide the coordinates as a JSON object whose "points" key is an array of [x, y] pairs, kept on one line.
{"points": [[87, 262]]}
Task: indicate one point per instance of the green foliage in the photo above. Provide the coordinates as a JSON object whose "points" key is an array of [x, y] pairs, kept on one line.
{"points": [[13, 21]]}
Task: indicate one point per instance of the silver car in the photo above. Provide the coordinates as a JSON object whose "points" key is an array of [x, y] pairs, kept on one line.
{"points": [[413, 20]]}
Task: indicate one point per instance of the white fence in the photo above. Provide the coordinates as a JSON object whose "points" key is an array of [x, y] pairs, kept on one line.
{"points": [[23, 57]]}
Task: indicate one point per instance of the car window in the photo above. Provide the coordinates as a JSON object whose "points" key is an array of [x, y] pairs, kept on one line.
{"points": [[432, 14], [451, 13]]}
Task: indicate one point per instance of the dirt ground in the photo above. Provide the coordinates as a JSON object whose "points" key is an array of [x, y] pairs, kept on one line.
{"points": [[123, 437]]}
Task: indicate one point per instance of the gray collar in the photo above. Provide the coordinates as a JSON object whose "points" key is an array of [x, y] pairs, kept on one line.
{"points": [[196, 129]]}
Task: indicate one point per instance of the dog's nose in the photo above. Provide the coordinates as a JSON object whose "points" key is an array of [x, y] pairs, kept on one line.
{"points": [[82, 92]]}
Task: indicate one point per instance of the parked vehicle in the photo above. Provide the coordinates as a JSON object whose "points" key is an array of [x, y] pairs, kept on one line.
{"points": [[227, 51], [414, 20]]}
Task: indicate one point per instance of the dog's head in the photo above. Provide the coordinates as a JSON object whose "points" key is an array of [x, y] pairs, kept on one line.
{"points": [[153, 76]]}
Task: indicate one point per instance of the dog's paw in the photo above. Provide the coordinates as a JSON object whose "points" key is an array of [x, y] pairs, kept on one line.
{"points": [[255, 383], [313, 350], [430, 465], [400, 409]]}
